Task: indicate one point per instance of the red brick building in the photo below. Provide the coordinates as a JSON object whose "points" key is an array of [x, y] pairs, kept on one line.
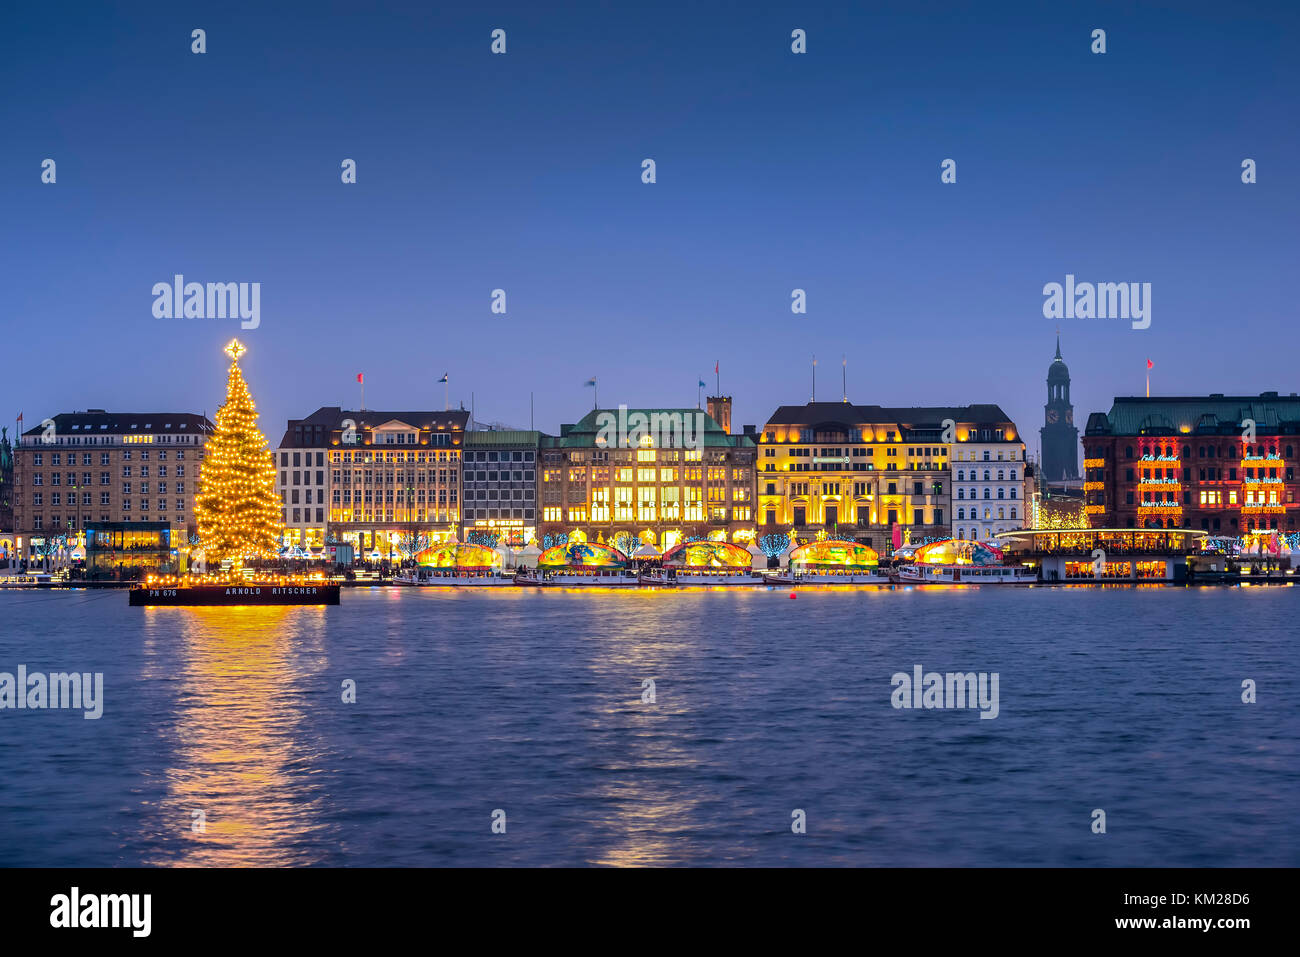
{"points": [[1223, 464]]}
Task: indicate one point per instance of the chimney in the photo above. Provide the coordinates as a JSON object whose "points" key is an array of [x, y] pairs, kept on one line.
{"points": [[719, 409]]}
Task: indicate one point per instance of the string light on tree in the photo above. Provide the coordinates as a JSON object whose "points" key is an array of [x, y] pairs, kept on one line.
{"points": [[237, 509]]}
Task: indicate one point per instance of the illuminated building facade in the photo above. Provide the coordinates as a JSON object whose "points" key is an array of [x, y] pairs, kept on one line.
{"points": [[499, 485], [386, 482], [659, 492], [992, 490], [1222, 464], [80, 468], [1088, 556], [856, 472]]}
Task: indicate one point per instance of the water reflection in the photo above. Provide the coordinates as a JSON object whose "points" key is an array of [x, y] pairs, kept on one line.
{"points": [[239, 753], [647, 815]]}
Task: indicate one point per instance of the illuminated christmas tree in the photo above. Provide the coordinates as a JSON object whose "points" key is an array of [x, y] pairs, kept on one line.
{"points": [[237, 509]]}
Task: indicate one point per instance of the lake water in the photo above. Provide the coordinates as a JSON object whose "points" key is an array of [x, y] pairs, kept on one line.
{"points": [[530, 702]]}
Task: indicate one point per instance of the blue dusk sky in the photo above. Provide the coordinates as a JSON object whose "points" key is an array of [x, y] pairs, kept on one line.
{"points": [[522, 172]]}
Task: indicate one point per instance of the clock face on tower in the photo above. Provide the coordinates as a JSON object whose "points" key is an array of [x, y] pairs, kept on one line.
{"points": [[1051, 416]]}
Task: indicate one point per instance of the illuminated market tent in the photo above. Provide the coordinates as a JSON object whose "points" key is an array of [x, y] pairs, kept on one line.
{"points": [[958, 552], [707, 555], [833, 554], [1264, 544], [582, 555], [464, 557]]}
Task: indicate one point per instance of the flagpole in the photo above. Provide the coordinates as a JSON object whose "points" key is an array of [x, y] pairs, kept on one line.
{"points": [[446, 393], [814, 379], [717, 376], [363, 392], [844, 377]]}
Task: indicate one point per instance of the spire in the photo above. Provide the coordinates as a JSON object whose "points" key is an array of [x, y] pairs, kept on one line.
{"points": [[1058, 342]]}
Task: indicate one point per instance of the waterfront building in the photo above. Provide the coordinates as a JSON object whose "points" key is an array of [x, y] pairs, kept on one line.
{"points": [[1217, 463], [1090, 555], [992, 483], [6, 499], [500, 485], [1059, 436], [385, 482], [648, 488], [105, 467], [129, 551], [840, 470]]}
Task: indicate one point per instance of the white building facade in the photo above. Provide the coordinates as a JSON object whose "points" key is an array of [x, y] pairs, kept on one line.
{"points": [[988, 486]]}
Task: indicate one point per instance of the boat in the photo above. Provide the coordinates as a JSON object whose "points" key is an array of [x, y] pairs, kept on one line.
{"points": [[452, 578], [577, 565], [703, 563], [236, 593], [456, 565], [966, 575], [962, 562], [26, 580], [789, 579], [830, 562], [683, 578], [564, 578]]}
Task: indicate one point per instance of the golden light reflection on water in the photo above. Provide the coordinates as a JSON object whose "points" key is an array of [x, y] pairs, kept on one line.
{"points": [[647, 816], [238, 747]]}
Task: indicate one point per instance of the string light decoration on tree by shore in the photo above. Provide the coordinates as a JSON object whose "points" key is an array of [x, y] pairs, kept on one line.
{"points": [[237, 509]]}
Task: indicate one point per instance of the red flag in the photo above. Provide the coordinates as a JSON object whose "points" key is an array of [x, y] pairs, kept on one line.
{"points": [[359, 378], [715, 367], [20, 416], [1150, 363]]}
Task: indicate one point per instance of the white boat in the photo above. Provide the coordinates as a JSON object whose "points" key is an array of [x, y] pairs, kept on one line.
{"points": [[791, 579], [450, 578], [698, 577], [576, 578], [25, 580], [923, 574]]}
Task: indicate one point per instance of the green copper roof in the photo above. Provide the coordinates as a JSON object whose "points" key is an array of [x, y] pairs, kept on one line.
{"points": [[1216, 414], [498, 437], [583, 433]]}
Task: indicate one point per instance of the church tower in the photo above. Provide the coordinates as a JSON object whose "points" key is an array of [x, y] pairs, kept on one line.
{"points": [[1059, 437]]}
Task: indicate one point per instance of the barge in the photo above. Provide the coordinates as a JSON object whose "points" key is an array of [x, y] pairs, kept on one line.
{"points": [[246, 593]]}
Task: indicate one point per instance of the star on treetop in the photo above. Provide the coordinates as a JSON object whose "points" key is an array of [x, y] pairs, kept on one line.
{"points": [[235, 349]]}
